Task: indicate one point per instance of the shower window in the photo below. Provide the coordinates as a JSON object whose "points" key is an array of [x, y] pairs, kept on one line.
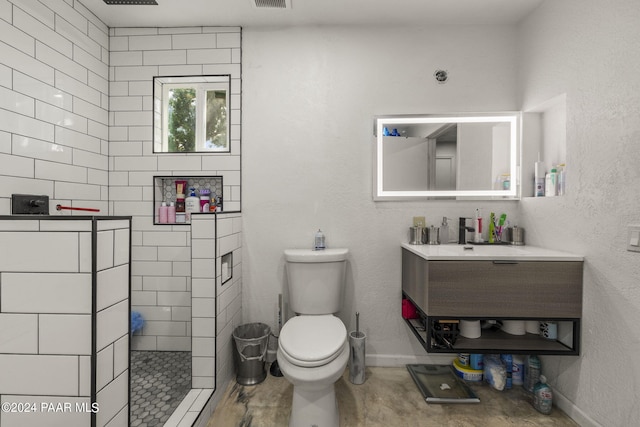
{"points": [[191, 114]]}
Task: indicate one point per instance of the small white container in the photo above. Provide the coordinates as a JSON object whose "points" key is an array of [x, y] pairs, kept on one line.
{"points": [[470, 328], [514, 327]]}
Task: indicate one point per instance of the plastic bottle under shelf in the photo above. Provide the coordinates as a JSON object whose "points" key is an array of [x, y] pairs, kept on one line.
{"points": [[542, 396], [532, 369]]}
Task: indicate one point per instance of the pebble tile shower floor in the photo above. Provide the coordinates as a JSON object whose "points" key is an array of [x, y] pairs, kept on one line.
{"points": [[159, 382]]}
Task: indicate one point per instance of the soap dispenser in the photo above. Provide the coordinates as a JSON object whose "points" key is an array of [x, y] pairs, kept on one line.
{"points": [[444, 231], [192, 203]]}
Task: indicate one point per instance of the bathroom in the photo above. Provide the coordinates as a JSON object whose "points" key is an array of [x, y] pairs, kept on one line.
{"points": [[309, 95]]}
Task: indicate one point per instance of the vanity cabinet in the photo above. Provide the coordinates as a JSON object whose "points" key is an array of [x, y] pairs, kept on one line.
{"points": [[506, 284]]}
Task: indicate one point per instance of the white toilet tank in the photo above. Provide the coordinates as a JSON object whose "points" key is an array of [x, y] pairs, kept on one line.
{"points": [[315, 279]]}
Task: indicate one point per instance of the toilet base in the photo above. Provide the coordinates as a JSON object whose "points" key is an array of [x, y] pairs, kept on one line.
{"points": [[314, 408]]}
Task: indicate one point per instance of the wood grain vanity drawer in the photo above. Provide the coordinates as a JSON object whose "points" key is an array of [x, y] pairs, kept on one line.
{"points": [[494, 289]]}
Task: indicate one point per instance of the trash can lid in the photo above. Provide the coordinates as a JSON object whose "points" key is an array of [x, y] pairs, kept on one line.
{"points": [[312, 340]]}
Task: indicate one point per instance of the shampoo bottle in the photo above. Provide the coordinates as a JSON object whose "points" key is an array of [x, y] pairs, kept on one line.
{"points": [[171, 213], [163, 213], [191, 204]]}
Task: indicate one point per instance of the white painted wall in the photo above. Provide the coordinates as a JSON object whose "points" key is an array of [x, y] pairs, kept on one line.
{"points": [[309, 97], [588, 49]]}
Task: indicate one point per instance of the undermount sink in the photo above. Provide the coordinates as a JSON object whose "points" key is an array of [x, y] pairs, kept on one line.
{"points": [[454, 252]]}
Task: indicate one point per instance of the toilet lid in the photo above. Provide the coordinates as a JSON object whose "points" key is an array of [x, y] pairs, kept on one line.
{"points": [[312, 340]]}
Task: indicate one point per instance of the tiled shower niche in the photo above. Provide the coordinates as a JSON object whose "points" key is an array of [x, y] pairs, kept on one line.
{"points": [[165, 191]]}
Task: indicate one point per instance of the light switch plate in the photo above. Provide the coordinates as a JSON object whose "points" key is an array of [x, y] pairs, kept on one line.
{"points": [[633, 238], [418, 221]]}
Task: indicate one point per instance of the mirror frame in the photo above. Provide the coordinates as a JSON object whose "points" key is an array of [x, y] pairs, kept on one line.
{"points": [[160, 118], [514, 118]]}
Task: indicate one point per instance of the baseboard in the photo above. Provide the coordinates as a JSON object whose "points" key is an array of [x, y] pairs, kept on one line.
{"points": [[572, 411]]}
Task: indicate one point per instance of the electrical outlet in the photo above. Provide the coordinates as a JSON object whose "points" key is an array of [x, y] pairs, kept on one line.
{"points": [[418, 221], [633, 238]]}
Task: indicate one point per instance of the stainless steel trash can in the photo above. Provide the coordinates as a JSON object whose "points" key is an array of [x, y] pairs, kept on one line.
{"points": [[251, 342]]}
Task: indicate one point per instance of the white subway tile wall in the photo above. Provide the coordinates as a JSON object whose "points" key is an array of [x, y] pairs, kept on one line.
{"points": [[76, 125], [212, 342], [46, 318], [54, 116], [161, 254]]}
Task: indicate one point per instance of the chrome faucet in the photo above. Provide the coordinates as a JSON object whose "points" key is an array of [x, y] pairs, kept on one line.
{"points": [[462, 230]]}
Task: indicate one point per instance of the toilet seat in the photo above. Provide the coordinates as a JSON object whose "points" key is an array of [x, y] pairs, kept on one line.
{"points": [[310, 341]]}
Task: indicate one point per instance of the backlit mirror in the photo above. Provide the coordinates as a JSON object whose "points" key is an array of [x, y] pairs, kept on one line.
{"points": [[447, 156], [191, 114]]}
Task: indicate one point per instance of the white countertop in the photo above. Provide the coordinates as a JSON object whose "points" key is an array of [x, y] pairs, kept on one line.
{"points": [[454, 252]]}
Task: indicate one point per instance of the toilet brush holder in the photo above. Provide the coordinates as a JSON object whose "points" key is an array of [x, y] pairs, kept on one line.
{"points": [[356, 357]]}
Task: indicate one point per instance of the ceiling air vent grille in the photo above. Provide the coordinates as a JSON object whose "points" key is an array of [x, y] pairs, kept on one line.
{"points": [[271, 4], [132, 2]]}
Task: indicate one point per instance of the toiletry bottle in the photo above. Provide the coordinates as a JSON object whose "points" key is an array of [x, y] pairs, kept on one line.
{"points": [[162, 213], [542, 396], [205, 200], [180, 203], [551, 181], [562, 178], [191, 204], [444, 231], [319, 241], [213, 203], [539, 178], [477, 238], [171, 213], [492, 227]]}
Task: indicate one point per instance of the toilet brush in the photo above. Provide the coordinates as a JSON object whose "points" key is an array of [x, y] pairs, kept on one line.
{"points": [[357, 354], [274, 369]]}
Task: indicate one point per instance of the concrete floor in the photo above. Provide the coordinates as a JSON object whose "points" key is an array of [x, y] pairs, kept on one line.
{"points": [[388, 398]]}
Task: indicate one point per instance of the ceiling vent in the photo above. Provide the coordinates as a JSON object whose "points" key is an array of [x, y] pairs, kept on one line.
{"points": [[132, 2], [271, 4]]}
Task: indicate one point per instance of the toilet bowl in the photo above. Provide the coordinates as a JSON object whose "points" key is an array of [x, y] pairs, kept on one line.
{"points": [[313, 347], [313, 354]]}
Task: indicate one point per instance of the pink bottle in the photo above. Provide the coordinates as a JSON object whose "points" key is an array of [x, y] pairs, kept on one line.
{"points": [[163, 213], [171, 213]]}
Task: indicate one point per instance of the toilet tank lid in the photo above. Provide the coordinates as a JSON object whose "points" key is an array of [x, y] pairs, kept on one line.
{"points": [[309, 255]]}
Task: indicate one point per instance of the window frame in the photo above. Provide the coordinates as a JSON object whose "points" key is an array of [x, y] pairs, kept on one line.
{"points": [[202, 85]]}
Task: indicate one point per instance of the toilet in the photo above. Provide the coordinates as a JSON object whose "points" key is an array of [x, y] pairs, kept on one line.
{"points": [[313, 347]]}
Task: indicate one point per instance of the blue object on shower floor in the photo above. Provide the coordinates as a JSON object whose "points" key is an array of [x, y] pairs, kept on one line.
{"points": [[137, 322]]}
